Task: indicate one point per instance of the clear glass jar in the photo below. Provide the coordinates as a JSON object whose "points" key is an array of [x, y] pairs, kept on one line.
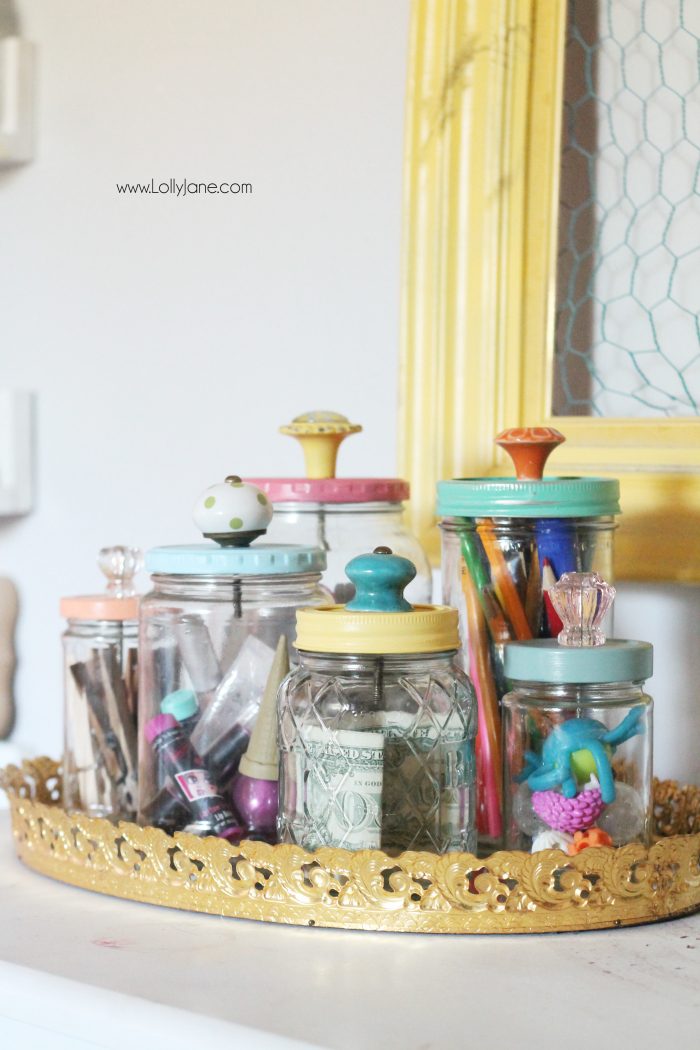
{"points": [[100, 672], [578, 763], [344, 530], [100, 694], [377, 753], [212, 633], [343, 516]]}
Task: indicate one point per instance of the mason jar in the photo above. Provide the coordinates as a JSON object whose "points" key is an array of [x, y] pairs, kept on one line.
{"points": [[342, 516], [505, 543], [377, 723], [209, 629], [100, 673], [577, 731]]}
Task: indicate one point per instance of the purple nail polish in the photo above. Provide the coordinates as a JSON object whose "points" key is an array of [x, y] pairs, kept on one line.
{"points": [[255, 786]]}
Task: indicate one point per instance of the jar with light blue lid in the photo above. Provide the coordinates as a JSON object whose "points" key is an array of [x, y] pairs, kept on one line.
{"points": [[210, 626], [505, 543], [577, 730]]}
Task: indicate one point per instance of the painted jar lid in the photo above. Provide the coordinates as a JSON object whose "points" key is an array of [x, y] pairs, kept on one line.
{"points": [[234, 514], [378, 620], [581, 654], [528, 494], [320, 435], [119, 602]]}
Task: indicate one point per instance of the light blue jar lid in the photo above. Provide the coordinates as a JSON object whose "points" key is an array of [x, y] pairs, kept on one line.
{"points": [[544, 660], [510, 498], [263, 559], [181, 704]]}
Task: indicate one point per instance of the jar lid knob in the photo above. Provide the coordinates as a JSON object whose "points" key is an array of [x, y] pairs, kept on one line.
{"points": [[320, 435], [120, 565], [529, 448], [233, 513], [581, 600], [380, 579]]}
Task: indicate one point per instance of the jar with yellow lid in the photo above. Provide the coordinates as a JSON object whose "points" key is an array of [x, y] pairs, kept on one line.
{"points": [[377, 722]]}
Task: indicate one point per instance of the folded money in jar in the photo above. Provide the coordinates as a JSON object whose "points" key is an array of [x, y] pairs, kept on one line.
{"points": [[377, 722]]}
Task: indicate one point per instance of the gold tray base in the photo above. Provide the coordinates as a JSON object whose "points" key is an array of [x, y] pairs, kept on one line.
{"points": [[507, 892]]}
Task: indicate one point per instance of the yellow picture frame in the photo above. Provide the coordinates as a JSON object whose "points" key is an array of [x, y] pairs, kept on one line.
{"points": [[481, 183]]}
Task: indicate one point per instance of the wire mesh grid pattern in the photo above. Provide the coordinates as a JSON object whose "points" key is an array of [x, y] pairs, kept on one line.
{"points": [[627, 326]]}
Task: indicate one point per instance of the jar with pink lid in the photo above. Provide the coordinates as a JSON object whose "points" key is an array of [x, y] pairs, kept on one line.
{"points": [[342, 516], [100, 657]]}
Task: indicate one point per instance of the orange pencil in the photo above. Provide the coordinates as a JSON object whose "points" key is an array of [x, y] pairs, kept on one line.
{"points": [[503, 584]]}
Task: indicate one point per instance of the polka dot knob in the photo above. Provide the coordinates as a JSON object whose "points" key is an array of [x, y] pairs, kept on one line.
{"points": [[233, 513]]}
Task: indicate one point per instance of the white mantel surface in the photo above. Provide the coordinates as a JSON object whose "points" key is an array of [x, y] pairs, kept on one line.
{"points": [[78, 970]]}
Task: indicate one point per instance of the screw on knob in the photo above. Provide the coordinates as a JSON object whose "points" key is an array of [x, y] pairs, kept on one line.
{"points": [[380, 579], [529, 448], [120, 565], [320, 435], [581, 600]]}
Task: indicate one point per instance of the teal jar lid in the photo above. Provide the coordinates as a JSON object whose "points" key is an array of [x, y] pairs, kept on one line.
{"points": [[181, 704], [264, 559], [512, 498], [544, 660]]}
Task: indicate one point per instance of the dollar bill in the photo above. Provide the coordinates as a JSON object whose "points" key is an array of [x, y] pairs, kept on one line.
{"points": [[339, 777], [428, 783]]}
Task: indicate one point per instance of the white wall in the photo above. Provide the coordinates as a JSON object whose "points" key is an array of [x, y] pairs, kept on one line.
{"points": [[168, 338]]}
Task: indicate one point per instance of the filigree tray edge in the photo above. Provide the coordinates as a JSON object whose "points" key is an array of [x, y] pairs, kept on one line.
{"points": [[507, 892]]}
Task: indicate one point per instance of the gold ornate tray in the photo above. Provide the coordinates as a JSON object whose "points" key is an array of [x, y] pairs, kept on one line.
{"points": [[508, 892]]}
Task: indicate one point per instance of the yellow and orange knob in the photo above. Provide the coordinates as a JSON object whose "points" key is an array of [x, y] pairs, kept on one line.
{"points": [[529, 448], [320, 435]]}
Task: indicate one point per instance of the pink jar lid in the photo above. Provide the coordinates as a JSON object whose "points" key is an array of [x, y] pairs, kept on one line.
{"points": [[119, 600], [333, 490], [99, 607]]}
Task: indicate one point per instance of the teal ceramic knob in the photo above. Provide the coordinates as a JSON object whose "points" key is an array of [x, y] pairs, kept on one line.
{"points": [[380, 579]]}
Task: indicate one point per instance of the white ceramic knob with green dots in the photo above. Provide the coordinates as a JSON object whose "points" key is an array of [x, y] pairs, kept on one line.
{"points": [[233, 513]]}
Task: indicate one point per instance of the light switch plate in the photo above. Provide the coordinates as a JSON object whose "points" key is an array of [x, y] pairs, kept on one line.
{"points": [[17, 79], [16, 453]]}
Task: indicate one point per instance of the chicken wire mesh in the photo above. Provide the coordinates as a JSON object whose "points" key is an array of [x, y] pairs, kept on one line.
{"points": [[627, 326]]}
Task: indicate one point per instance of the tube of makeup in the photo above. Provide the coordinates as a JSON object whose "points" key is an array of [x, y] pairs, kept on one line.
{"points": [[195, 789]]}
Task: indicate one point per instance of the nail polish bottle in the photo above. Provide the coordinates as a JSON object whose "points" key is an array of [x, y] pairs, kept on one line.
{"points": [[255, 787]]}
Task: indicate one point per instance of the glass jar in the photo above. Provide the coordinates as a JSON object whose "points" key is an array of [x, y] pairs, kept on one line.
{"points": [[377, 723], [342, 516], [100, 660], [209, 631], [577, 731], [543, 719], [344, 530], [505, 543]]}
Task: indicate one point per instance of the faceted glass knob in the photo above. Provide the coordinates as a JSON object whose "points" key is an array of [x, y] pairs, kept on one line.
{"points": [[582, 599], [120, 565]]}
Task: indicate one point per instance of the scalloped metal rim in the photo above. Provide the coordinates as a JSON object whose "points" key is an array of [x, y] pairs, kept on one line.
{"points": [[507, 892]]}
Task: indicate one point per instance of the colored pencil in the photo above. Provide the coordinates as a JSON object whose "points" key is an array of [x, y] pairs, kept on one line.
{"points": [[503, 583]]}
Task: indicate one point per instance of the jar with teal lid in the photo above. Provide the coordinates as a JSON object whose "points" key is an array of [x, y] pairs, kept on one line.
{"points": [[209, 630], [505, 543], [577, 730], [377, 722]]}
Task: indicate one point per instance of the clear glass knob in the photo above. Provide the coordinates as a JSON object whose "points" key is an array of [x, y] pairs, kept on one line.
{"points": [[120, 565], [582, 599]]}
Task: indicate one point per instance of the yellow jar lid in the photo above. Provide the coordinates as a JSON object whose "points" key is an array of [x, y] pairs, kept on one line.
{"points": [[378, 619], [426, 629]]}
